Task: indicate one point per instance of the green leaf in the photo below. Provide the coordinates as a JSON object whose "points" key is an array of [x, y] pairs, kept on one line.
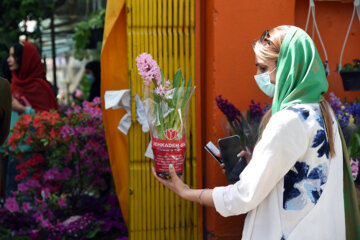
{"points": [[93, 233], [177, 78], [187, 94]]}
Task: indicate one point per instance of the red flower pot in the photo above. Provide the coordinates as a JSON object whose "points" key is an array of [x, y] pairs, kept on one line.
{"points": [[168, 152]]}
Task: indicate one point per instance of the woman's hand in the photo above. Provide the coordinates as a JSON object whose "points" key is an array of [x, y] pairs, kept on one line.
{"points": [[175, 184], [246, 155], [17, 106], [242, 154]]}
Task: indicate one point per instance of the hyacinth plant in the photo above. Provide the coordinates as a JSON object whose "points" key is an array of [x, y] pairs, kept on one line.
{"points": [[166, 103], [62, 176], [348, 116], [245, 125]]}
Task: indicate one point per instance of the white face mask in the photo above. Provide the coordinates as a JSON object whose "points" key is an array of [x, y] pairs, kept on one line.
{"points": [[264, 83]]}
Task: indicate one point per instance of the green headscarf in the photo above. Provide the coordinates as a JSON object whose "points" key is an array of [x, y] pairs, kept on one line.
{"points": [[300, 78], [300, 75]]}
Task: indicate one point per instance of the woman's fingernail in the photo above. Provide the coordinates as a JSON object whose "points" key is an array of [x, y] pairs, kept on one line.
{"points": [[171, 166]]}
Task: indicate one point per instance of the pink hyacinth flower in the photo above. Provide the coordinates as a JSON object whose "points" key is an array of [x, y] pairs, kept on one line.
{"points": [[167, 83], [160, 90], [148, 68], [354, 164]]}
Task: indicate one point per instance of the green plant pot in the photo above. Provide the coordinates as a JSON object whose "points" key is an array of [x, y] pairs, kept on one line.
{"points": [[351, 80]]}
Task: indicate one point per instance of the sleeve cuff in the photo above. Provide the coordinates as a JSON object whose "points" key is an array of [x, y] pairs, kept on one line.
{"points": [[218, 198], [29, 110]]}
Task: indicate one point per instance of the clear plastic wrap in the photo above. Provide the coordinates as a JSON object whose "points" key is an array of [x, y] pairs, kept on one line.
{"points": [[166, 105]]}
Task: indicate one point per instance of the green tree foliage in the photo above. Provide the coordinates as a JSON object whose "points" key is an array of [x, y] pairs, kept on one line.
{"points": [[12, 12], [82, 33]]}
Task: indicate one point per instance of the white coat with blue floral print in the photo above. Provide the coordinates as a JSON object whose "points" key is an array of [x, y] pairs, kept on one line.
{"points": [[291, 189]]}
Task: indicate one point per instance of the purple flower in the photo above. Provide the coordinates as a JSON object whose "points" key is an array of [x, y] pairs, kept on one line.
{"points": [[32, 183], [354, 164], [26, 207], [227, 108], [77, 109], [51, 174], [22, 187], [62, 202], [255, 110], [65, 131], [69, 112], [335, 101], [45, 192], [11, 204], [72, 147], [96, 101]]}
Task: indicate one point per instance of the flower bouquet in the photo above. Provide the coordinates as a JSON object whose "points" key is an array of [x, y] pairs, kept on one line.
{"points": [[166, 105]]}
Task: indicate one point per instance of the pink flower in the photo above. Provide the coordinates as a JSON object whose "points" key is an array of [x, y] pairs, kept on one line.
{"points": [[167, 83], [148, 69], [11, 204], [51, 174], [79, 93], [22, 187], [70, 220], [45, 192], [26, 207], [62, 202], [64, 175], [354, 164], [72, 148], [44, 223], [96, 101], [160, 90], [32, 183]]}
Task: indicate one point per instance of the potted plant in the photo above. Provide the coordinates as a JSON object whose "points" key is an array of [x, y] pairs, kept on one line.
{"points": [[350, 74], [166, 106]]}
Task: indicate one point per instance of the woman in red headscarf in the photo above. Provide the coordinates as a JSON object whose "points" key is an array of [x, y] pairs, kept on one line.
{"points": [[28, 84]]}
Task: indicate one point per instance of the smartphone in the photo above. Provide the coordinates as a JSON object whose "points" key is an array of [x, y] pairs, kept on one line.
{"points": [[214, 151], [230, 147]]}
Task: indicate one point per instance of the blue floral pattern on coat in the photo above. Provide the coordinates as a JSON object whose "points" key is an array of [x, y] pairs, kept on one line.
{"points": [[300, 185], [321, 138], [302, 112]]}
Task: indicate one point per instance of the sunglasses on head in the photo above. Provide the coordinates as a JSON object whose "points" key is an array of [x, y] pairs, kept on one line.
{"points": [[264, 36]]}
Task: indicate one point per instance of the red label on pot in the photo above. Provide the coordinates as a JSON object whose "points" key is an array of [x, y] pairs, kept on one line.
{"points": [[169, 152]]}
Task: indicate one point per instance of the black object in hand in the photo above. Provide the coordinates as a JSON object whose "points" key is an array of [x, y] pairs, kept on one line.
{"points": [[234, 175]]}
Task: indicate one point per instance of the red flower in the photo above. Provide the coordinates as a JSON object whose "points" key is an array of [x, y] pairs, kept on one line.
{"points": [[37, 122], [53, 133], [38, 158], [45, 115], [21, 176], [41, 131], [36, 176], [26, 119], [170, 134], [29, 140]]}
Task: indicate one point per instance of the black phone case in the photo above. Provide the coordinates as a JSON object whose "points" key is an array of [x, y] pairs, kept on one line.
{"points": [[230, 147]]}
